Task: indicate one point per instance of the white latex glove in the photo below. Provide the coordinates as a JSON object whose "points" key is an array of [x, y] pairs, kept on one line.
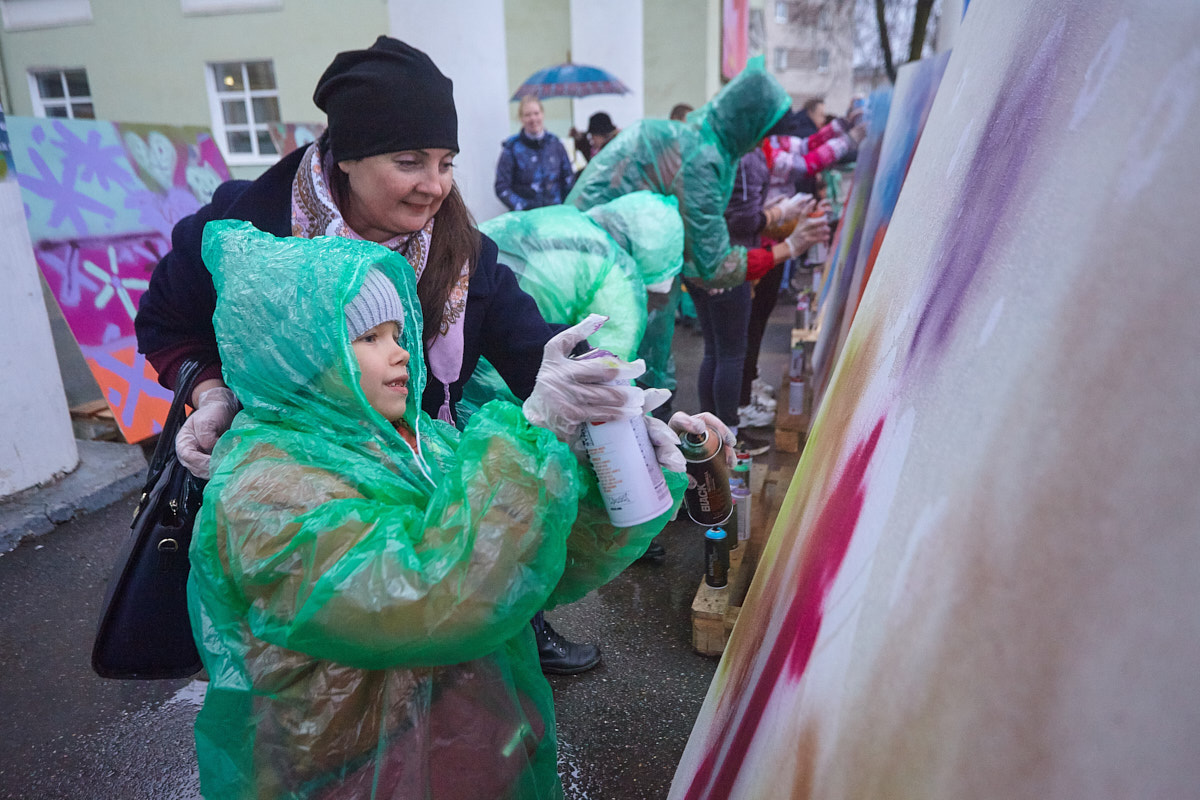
{"points": [[571, 391], [808, 232], [196, 439], [796, 205], [696, 423], [662, 437]]}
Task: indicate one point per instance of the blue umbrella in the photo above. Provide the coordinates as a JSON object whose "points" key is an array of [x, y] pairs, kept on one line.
{"points": [[570, 80]]}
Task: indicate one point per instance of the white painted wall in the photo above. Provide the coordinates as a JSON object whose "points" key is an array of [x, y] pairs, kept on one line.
{"points": [[466, 40], [36, 439], [609, 35]]}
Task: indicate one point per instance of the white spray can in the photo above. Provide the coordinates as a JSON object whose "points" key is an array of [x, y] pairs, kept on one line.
{"points": [[630, 479]]}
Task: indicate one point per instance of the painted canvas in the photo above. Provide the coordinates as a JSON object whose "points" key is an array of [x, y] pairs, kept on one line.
{"points": [[6, 165], [983, 581], [916, 86], [839, 267], [287, 136], [100, 200]]}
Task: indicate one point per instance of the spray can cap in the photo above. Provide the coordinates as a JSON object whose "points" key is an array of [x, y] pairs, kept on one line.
{"points": [[696, 438], [715, 533]]}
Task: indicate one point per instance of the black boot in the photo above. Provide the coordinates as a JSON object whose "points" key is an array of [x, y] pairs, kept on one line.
{"points": [[655, 553], [559, 656]]}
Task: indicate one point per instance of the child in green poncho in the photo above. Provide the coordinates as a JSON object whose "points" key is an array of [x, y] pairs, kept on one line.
{"points": [[362, 575]]}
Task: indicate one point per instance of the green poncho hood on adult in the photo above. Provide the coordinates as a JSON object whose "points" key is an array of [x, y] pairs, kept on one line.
{"points": [[695, 161], [360, 594]]}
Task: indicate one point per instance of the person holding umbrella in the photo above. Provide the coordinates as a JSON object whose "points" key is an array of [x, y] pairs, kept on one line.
{"points": [[534, 169]]}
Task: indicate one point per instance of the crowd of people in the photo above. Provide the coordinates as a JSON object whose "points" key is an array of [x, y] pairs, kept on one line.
{"points": [[369, 556]]}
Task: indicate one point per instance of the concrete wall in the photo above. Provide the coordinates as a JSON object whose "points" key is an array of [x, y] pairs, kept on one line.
{"points": [[681, 53], [36, 439], [803, 37], [474, 58]]}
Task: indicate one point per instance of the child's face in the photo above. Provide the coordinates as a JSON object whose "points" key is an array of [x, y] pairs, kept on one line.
{"points": [[384, 366]]}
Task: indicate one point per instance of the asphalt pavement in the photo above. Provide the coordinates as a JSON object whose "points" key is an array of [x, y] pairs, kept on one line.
{"points": [[67, 734]]}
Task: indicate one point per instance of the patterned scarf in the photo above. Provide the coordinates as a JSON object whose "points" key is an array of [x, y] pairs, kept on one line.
{"points": [[314, 213]]}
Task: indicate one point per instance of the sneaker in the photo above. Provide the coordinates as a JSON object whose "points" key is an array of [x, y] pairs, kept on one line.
{"points": [[751, 446], [762, 402], [760, 387], [755, 416]]}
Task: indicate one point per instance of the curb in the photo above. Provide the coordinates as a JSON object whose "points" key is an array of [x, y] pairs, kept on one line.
{"points": [[107, 472]]}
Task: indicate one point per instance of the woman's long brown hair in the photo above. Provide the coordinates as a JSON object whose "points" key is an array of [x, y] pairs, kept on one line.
{"points": [[455, 242]]}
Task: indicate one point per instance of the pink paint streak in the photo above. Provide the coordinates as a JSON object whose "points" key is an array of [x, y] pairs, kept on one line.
{"points": [[789, 658]]}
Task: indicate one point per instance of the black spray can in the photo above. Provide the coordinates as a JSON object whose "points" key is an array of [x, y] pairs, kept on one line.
{"points": [[716, 557], [707, 498]]}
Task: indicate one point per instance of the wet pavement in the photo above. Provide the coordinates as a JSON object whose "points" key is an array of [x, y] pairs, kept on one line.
{"points": [[67, 734]]}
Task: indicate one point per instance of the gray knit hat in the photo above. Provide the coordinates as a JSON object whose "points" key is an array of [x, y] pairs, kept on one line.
{"points": [[377, 302]]}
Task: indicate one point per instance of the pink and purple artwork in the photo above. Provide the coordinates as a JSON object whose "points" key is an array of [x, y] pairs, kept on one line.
{"points": [[982, 581], [100, 201], [916, 86]]}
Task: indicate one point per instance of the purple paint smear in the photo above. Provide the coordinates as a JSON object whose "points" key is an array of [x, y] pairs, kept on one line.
{"points": [[990, 190]]}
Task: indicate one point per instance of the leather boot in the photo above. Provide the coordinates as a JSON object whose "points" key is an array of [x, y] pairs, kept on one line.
{"points": [[559, 656], [655, 553]]}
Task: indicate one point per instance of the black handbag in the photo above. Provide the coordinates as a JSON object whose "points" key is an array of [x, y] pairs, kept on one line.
{"points": [[144, 631]]}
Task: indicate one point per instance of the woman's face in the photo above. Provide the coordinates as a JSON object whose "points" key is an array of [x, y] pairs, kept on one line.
{"points": [[531, 118], [395, 193]]}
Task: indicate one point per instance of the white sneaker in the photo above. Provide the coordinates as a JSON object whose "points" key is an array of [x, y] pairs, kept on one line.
{"points": [[764, 402], [760, 387], [755, 416]]}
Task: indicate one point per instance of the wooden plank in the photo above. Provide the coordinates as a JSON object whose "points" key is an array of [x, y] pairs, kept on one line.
{"points": [[804, 336]]}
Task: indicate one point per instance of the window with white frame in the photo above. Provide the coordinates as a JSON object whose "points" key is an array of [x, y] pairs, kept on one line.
{"points": [[61, 93], [825, 19], [781, 11], [781, 59], [823, 60], [244, 101]]}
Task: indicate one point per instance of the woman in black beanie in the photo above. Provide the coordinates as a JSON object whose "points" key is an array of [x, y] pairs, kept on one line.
{"points": [[383, 171]]}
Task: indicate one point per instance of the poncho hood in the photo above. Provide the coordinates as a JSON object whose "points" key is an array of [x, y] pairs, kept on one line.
{"points": [[646, 225], [285, 347], [745, 109]]}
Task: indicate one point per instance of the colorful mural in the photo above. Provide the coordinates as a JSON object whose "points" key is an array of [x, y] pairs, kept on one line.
{"points": [[101, 199], [982, 581], [912, 97], [287, 136]]}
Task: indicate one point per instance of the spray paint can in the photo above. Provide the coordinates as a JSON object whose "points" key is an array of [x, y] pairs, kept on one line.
{"points": [[630, 480], [707, 497], [796, 397], [741, 474], [716, 558], [741, 512]]}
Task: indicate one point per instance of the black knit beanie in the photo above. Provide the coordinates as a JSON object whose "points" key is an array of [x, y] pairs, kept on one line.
{"points": [[386, 98]]}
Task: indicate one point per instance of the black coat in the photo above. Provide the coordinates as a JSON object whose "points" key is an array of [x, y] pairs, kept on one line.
{"points": [[174, 319]]}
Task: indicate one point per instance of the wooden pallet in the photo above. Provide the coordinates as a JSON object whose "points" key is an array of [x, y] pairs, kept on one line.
{"points": [[715, 610], [94, 420]]}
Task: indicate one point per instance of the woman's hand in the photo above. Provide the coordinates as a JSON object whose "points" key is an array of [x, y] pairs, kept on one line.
{"points": [[215, 410], [809, 231], [570, 391]]}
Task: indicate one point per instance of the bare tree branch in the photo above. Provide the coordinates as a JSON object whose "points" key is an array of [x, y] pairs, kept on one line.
{"points": [[885, 42], [920, 23]]}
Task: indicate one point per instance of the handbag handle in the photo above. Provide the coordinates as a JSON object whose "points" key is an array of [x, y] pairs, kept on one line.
{"points": [[164, 450]]}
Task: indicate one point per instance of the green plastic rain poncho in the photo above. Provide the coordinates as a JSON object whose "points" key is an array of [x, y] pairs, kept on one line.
{"points": [[574, 263], [695, 161], [362, 604]]}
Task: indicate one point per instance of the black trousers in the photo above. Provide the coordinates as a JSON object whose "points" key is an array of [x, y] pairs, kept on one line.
{"points": [[762, 303]]}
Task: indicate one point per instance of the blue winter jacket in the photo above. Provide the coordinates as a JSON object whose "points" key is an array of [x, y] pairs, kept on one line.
{"points": [[533, 173]]}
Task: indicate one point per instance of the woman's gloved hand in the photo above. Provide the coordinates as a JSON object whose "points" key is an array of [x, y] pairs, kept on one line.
{"points": [[571, 391], [795, 206], [808, 232], [662, 437], [195, 441], [696, 423]]}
